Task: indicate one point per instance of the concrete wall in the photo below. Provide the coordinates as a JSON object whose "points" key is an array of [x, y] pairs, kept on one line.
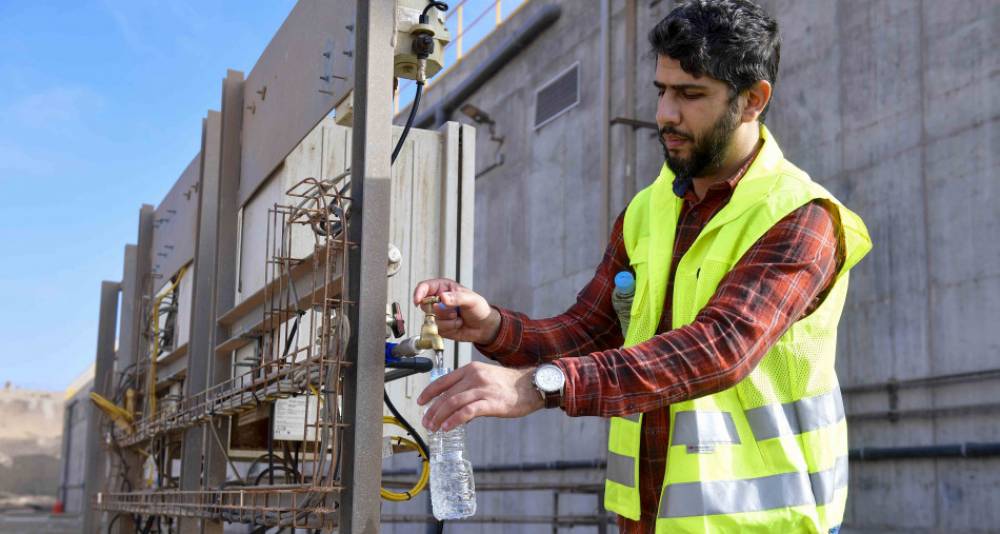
{"points": [[890, 104]]}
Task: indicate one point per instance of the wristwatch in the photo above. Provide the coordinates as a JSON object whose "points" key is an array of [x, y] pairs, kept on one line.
{"points": [[549, 380]]}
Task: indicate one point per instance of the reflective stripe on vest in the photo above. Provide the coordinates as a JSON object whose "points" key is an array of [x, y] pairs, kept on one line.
{"points": [[697, 429], [803, 415], [754, 494], [621, 469]]}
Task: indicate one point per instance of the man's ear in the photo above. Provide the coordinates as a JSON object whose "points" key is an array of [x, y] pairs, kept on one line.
{"points": [[757, 97]]}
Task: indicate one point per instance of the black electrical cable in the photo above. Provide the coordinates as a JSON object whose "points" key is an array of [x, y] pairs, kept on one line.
{"points": [[409, 121], [416, 437], [405, 423], [440, 5]]}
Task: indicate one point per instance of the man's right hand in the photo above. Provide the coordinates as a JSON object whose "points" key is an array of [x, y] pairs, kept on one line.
{"points": [[463, 314]]}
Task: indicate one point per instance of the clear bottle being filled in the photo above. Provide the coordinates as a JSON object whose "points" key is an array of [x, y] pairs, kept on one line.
{"points": [[453, 489], [621, 298]]}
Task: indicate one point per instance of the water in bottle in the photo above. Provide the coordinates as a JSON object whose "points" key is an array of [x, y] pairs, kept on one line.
{"points": [[453, 489], [621, 298]]}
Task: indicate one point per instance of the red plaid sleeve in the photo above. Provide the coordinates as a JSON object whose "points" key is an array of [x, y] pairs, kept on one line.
{"points": [[589, 325]]}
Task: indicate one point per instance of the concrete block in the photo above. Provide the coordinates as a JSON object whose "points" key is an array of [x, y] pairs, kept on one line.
{"points": [[879, 99], [964, 318], [967, 494], [959, 72], [961, 203], [884, 495]]}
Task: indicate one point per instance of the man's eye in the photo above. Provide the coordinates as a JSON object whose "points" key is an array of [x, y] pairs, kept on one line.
{"points": [[692, 96], [659, 92]]}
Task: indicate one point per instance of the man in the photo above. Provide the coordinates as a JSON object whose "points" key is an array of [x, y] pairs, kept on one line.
{"points": [[725, 410]]}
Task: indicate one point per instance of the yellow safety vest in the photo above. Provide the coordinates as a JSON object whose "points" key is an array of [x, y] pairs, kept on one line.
{"points": [[770, 453]]}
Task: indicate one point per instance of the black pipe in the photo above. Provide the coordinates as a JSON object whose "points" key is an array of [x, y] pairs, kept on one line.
{"points": [[506, 51], [938, 380], [955, 450], [522, 467]]}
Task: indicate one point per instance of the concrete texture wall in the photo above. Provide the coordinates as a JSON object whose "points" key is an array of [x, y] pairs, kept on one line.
{"points": [[892, 105]]}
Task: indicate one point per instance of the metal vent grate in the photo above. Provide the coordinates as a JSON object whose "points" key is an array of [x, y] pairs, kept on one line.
{"points": [[557, 96]]}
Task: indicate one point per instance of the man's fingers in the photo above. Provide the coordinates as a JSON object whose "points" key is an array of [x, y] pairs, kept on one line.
{"points": [[445, 312], [439, 386], [459, 299], [467, 413], [447, 405], [434, 286], [449, 325]]}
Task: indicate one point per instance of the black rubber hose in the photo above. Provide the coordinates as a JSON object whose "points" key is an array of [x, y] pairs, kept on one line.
{"points": [[409, 121]]}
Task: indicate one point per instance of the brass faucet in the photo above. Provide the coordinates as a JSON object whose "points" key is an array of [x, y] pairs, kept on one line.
{"points": [[429, 337]]}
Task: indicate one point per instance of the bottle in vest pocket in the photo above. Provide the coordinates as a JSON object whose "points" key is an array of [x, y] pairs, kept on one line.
{"points": [[621, 298]]}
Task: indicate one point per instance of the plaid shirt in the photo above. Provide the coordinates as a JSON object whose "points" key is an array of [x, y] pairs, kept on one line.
{"points": [[782, 278]]}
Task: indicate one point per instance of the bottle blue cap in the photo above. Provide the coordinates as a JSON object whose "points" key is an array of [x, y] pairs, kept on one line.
{"points": [[624, 282]]}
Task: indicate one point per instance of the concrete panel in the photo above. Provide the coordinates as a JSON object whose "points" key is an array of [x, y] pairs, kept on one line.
{"points": [[285, 99], [967, 494], [880, 98], [961, 202], [959, 73], [175, 223], [885, 495]]}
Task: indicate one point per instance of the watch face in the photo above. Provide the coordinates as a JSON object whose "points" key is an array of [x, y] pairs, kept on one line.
{"points": [[549, 378]]}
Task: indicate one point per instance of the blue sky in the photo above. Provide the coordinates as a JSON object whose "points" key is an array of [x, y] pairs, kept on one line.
{"points": [[101, 111]]}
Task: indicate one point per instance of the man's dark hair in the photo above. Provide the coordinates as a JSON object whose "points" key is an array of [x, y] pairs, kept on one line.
{"points": [[734, 41]]}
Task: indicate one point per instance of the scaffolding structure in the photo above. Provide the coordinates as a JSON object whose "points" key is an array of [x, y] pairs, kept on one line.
{"points": [[286, 369], [169, 456]]}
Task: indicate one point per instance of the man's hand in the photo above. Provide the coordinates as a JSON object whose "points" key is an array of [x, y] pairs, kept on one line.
{"points": [[463, 314], [476, 390]]}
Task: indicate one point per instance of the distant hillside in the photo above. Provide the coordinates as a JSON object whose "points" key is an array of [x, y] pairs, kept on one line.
{"points": [[30, 440]]}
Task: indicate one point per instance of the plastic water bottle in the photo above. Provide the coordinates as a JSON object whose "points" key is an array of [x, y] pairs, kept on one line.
{"points": [[453, 489], [621, 298]]}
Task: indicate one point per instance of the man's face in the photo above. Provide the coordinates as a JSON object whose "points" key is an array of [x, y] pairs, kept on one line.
{"points": [[696, 118]]}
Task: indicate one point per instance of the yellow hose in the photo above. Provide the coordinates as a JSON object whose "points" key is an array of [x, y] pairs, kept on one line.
{"points": [[155, 353], [425, 471]]}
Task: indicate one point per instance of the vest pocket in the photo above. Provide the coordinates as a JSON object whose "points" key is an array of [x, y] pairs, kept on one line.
{"points": [[701, 431]]}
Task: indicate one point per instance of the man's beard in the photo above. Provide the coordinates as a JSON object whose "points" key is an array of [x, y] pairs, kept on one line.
{"points": [[708, 151]]}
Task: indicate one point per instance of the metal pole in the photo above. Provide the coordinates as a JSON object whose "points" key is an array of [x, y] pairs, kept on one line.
{"points": [[138, 262], [95, 470], [224, 274], [367, 283], [200, 348], [631, 15], [605, 106]]}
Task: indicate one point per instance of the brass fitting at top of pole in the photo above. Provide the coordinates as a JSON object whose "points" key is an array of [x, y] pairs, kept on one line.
{"points": [[429, 337]]}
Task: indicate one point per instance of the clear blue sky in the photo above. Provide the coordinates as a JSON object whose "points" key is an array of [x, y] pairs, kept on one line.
{"points": [[101, 111]]}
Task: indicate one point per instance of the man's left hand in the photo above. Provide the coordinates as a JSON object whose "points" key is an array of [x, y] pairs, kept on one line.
{"points": [[479, 389]]}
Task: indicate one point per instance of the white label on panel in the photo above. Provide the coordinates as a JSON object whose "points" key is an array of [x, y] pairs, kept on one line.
{"points": [[291, 416]]}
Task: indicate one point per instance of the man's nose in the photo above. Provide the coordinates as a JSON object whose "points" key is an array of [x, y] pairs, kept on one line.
{"points": [[667, 113]]}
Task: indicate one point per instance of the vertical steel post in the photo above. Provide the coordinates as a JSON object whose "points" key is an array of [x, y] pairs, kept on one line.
{"points": [[224, 273], [200, 347], [605, 124], [367, 284], [96, 467], [631, 22], [138, 262]]}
